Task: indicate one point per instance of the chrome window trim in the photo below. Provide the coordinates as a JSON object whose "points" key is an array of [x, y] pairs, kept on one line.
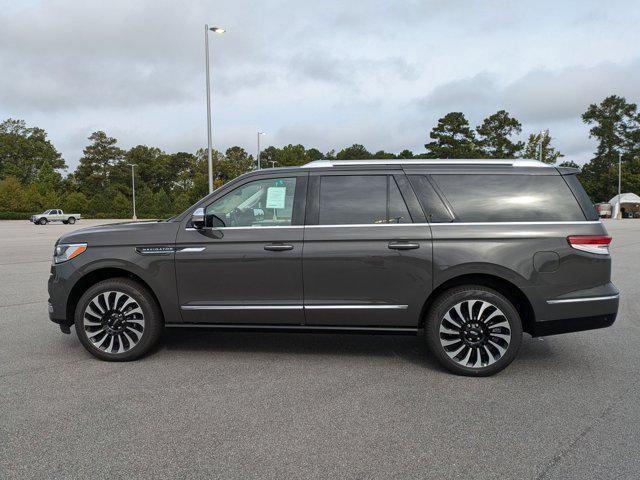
{"points": [[250, 228], [576, 222], [583, 299], [343, 225], [452, 224], [435, 224]]}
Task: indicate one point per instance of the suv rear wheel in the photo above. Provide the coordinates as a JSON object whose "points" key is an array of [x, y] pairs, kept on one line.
{"points": [[473, 330], [118, 320]]}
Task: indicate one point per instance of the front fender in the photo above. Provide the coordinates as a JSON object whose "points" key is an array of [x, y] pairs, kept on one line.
{"points": [[156, 271]]}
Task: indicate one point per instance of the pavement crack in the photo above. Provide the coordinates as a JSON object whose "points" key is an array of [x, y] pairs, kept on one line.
{"points": [[20, 304], [583, 433], [23, 263]]}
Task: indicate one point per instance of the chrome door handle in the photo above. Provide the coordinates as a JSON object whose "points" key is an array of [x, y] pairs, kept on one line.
{"points": [[278, 247], [403, 245]]}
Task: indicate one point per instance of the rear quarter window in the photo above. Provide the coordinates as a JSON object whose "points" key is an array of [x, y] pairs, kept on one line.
{"points": [[583, 198], [510, 198]]}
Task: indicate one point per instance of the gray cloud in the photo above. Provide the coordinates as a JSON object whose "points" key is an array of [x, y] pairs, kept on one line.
{"points": [[540, 95], [379, 72], [543, 98]]}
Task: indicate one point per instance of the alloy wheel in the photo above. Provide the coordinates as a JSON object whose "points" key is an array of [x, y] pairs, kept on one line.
{"points": [[475, 333], [113, 322]]}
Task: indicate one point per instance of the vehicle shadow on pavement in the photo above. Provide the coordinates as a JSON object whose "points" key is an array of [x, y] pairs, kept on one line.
{"points": [[405, 347]]}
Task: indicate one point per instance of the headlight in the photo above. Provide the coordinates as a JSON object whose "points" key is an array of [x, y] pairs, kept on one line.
{"points": [[64, 252]]}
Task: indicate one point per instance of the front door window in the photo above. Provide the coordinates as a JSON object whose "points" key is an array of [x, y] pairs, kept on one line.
{"points": [[261, 203]]}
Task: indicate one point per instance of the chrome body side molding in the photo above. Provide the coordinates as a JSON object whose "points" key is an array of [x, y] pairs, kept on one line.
{"points": [[296, 307], [583, 299]]}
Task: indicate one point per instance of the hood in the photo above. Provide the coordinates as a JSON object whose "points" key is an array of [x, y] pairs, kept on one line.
{"points": [[125, 233]]}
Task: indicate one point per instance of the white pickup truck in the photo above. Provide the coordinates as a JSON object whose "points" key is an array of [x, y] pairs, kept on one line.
{"points": [[55, 215]]}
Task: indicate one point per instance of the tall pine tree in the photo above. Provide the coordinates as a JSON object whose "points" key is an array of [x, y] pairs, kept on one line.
{"points": [[96, 163], [453, 138], [494, 136], [615, 125], [532, 149]]}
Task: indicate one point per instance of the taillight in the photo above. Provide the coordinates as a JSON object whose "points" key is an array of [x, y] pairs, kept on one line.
{"points": [[590, 243]]}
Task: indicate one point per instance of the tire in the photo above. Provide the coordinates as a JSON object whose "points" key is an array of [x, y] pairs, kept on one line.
{"points": [[473, 330], [71, 220], [42, 221], [118, 320]]}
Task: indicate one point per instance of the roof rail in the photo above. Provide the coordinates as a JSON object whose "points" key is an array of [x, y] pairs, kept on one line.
{"points": [[516, 162]]}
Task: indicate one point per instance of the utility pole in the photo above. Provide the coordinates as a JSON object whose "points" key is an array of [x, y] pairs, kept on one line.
{"points": [[133, 189], [542, 132]]}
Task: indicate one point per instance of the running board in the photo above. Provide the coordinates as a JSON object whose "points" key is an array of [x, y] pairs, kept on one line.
{"points": [[296, 328]]}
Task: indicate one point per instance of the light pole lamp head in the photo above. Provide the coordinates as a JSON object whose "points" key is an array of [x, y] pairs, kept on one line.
{"points": [[217, 30]]}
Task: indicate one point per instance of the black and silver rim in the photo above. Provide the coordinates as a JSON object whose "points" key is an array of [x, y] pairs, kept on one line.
{"points": [[475, 333], [113, 322]]}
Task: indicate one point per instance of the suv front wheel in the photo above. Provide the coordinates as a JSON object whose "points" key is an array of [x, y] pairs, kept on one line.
{"points": [[473, 330], [118, 320]]}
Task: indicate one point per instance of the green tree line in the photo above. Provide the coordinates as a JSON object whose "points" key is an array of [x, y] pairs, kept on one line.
{"points": [[31, 168]]}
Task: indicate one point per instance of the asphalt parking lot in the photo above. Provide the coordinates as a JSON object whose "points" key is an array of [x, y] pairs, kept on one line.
{"points": [[265, 405]]}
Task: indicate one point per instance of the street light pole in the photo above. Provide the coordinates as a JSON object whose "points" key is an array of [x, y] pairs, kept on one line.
{"points": [[206, 48], [133, 189], [541, 137], [619, 216], [259, 135]]}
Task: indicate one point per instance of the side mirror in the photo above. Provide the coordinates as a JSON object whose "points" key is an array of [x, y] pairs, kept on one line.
{"points": [[198, 218]]}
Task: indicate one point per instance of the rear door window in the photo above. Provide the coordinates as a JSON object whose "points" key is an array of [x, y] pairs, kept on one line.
{"points": [[361, 199], [509, 198]]}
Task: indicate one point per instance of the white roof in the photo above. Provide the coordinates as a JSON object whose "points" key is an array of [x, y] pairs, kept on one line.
{"points": [[626, 198]]}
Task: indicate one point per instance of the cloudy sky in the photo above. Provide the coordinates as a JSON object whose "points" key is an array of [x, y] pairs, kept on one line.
{"points": [[322, 73]]}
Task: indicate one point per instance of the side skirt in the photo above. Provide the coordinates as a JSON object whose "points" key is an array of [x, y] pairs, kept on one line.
{"points": [[298, 328]]}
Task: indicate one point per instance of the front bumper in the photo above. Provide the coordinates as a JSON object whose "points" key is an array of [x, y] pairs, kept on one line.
{"points": [[58, 289]]}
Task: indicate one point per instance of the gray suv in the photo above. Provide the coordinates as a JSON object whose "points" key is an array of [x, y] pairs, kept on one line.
{"points": [[470, 253]]}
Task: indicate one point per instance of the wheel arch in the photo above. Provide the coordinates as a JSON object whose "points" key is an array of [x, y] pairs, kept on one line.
{"points": [[97, 275], [507, 288]]}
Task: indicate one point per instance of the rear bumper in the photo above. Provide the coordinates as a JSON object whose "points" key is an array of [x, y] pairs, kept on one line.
{"points": [[567, 325], [584, 310]]}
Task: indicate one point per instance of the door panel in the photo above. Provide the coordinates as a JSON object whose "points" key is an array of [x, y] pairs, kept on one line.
{"points": [[373, 266], [235, 279], [353, 278], [249, 270]]}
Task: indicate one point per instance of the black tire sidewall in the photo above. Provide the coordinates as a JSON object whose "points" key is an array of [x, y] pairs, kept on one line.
{"points": [[154, 322], [42, 221], [455, 295], [71, 220]]}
